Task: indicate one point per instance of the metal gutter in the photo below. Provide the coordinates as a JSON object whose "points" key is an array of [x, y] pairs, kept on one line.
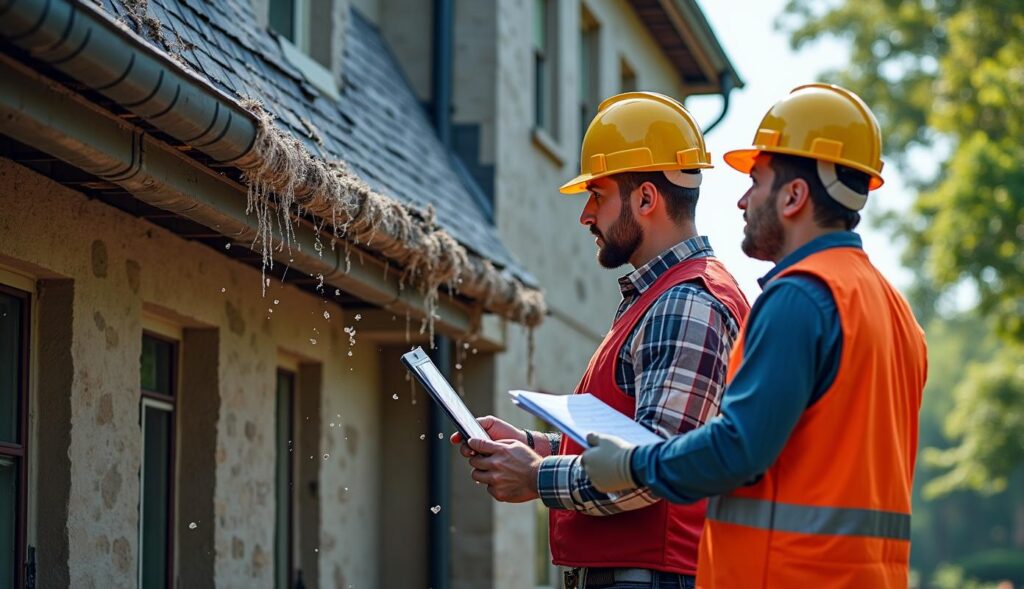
{"points": [[38, 112], [89, 46], [696, 26]]}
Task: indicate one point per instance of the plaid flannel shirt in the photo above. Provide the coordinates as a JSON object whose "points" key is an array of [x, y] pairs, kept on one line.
{"points": [[674, 364]]}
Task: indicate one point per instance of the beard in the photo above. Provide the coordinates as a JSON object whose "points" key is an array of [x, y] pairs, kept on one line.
{"points": [[763, 237], [622, 240]]}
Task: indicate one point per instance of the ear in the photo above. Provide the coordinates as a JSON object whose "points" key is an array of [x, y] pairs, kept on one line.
{"points": [[649, 199], [795, 198]]}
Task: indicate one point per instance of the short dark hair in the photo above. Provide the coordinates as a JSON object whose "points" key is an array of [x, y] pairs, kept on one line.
{"points": [[680, 202], [828, 212]]}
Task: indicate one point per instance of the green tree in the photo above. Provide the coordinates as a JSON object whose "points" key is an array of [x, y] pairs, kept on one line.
{"points": [[948, 76], [946, 80]]}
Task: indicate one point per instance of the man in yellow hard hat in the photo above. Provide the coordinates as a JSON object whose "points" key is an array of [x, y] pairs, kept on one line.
{"points": [[812, 456], [662, 363]]}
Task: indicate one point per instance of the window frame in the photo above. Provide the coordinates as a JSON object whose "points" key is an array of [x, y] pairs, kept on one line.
{"points": [[287, 370], [21, 451], [588, 91], [544, 47], [168, 403]]}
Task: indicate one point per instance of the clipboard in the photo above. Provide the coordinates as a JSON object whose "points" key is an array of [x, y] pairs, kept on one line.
{"points": [[441, 391]]}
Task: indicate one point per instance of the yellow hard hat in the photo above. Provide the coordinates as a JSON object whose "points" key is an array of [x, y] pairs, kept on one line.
{"points": [[640, 132], [822, 122]]}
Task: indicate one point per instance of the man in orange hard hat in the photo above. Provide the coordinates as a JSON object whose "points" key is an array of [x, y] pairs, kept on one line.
{"points": [[662, 363], [812, 456]]}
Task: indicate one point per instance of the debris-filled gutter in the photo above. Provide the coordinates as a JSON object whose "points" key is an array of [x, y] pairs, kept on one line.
{"points": [[284, 181]]}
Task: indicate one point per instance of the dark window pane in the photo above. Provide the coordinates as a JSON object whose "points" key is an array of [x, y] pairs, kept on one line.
{"points": [[155, 495], [11, 309], [157, 358], [8, 518], [282, 18], [285, 453]]}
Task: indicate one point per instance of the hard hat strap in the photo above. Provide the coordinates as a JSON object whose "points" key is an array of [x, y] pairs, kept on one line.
{"points": [[839, 192], [681, 178]]}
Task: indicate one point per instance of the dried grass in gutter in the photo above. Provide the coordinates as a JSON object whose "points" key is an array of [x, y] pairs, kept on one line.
{"points": [[285, 174]]}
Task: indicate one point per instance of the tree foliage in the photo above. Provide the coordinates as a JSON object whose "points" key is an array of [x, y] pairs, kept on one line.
{"points": [[946, 79]]}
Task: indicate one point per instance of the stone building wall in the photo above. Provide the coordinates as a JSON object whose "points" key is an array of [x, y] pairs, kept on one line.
{"points": [[130, 275]]}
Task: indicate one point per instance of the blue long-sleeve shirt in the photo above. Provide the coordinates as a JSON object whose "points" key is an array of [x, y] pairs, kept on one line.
{"points": [[791, 356]]}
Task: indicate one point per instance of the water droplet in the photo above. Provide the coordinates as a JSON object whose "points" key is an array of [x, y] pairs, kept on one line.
{"points": [[465, 346], [311, 458], [359, 317], [270, 309], [268, 282], [327, 315], [395, 396], [332, 424], [227, 246], [474, 350], [277, 301], [337, 292], [316, 550], [350, 352], [440, 435], [312, 341], [346, 489], [193, 526], [458, 366], [435, 509], [222, 289], [326, 456], [423, 436]]}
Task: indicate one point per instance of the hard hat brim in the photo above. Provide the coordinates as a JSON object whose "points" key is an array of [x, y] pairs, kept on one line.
{"points": [[579, 183], [742, 160]]}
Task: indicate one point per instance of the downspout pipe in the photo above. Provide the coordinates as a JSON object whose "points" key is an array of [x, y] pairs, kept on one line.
{"points": [[726, 85], [441, 72], [89, 46], [440, 478], [440, 452]]}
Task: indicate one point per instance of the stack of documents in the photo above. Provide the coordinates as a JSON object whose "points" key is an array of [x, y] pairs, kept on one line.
{"points": [[579, 415]]}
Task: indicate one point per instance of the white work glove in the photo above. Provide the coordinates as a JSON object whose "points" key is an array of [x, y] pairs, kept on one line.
{"points": [[606, 463]]}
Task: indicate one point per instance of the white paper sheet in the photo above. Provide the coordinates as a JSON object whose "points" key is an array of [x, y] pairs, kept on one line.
{"points": [[579, 415]]}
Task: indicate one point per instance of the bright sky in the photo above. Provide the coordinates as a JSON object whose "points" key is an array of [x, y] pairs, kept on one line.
{"points": [[770, 69]]}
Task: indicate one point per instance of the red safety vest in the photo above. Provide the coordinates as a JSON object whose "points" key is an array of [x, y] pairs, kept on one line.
{"points": [[834, 508], [660, 536]]}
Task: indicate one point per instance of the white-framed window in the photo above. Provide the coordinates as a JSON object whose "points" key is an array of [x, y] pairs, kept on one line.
{"points": [[545, 66], [158, 387], [295, 26], [589, 93]]}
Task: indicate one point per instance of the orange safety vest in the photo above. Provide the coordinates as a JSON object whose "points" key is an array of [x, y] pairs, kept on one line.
{"points": [[834, 508], [661, 536]]}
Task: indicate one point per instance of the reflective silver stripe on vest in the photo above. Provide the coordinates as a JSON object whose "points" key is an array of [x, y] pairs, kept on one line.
{"points": [[809, 519]]}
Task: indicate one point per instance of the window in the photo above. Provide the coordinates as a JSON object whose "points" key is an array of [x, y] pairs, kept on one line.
{"points": [[290, 19], [545, 63], [156, 506], [627, 77], [14, 314], [306, 39], [284, 522], [589, 86]]}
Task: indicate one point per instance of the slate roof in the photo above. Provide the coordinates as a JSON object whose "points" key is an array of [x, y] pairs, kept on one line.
{"points": [[378, 127]]}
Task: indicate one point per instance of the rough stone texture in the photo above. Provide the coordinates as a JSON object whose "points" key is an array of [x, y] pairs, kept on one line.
{"points": [[181, 282]]}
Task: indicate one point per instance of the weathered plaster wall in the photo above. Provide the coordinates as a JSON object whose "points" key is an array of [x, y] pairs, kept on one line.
{"points": [[123, 267]]}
